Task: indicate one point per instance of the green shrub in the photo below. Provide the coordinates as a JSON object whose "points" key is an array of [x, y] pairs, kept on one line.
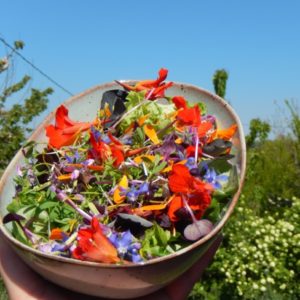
{"points": [[259, 258]]}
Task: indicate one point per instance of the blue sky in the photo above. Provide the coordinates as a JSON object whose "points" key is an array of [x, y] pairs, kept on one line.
{"points": [[84, 43]]}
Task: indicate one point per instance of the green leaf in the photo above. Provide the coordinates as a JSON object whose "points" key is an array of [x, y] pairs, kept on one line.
{"points": [[214, 210], [48, 204], [158, 242], [231, 187], [203, 108], [220, 165], [158, 168], [18, 233], [162, 235]]}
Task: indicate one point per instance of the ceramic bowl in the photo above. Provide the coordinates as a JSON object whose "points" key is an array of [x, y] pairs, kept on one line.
{"points": [[104, 280]]}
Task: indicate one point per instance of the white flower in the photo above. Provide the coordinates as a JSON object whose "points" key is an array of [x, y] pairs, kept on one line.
{"points": [[255, 286], [270, 280], [263, 288], [283, 286]]}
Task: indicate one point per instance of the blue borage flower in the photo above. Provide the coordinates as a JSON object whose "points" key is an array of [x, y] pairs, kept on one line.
{"points": [[73, 158], [126, 245], [99, 136], [214, 179], [134, 193]]}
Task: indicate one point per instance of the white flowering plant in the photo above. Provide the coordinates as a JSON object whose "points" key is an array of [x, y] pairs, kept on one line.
{"points": [[259, 258]]}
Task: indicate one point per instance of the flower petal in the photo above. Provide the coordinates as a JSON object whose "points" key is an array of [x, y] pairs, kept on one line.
{"points": [[123, 184], [151, 133], [180, 179], [227, 133]]}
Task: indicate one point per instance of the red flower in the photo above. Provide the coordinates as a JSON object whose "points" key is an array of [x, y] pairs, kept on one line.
{"points": [[65, 131], [179, 102], [203, 128], [103, 151], [93, 245], [190, 151], [154, 88], [195, 191], [189, 116]]}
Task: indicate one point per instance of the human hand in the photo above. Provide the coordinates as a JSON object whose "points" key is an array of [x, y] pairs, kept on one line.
{"points": [[23, 283]]}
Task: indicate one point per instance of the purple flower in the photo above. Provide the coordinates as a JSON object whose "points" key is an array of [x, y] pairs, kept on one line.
{"points": [[19, 171], [99, 136], [52, 246], [126, 245], [88, 162], [73, 158], [144, 188], [126, 139], [75, 174], [134, 193], [190, 163], [96, 134], [214, 179]]}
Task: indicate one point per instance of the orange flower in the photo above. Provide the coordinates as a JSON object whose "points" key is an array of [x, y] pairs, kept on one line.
{"points": [[227, 133], [93, 245], [154, 88], [194, 190], [56, 234], [65, 131]]}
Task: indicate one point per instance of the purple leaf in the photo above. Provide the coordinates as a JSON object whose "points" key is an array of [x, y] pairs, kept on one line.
{"points": [[197, 230], [12, 217]]}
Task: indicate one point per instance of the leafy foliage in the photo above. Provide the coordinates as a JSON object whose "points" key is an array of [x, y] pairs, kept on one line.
{"points": [[259, 131], [15, 120], [220, 80]]}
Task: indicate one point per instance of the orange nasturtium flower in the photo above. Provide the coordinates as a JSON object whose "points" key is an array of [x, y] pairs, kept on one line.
{"points": [[196, 192], [65, 131], [56, 234], [227, 133], [154, 88], [93, 245], [102, 151], [189, 116]]}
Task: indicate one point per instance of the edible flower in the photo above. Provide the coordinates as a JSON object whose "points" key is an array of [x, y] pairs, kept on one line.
{"points": [[126, 245], [188, 116], [214, 179], [93, 245], [154, 88], [227, 133], [65, 131], [187, 186], [102, 151]]}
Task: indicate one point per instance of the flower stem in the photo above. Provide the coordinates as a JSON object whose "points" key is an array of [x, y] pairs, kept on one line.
{"points": [[197, 144], [191, 213]]}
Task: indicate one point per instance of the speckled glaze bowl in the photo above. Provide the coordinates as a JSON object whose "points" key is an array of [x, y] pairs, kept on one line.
{"points": [[130, 281]]}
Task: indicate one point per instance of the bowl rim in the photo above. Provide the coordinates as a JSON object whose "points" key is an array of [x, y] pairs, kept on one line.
{"points": [[193, 245]]}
